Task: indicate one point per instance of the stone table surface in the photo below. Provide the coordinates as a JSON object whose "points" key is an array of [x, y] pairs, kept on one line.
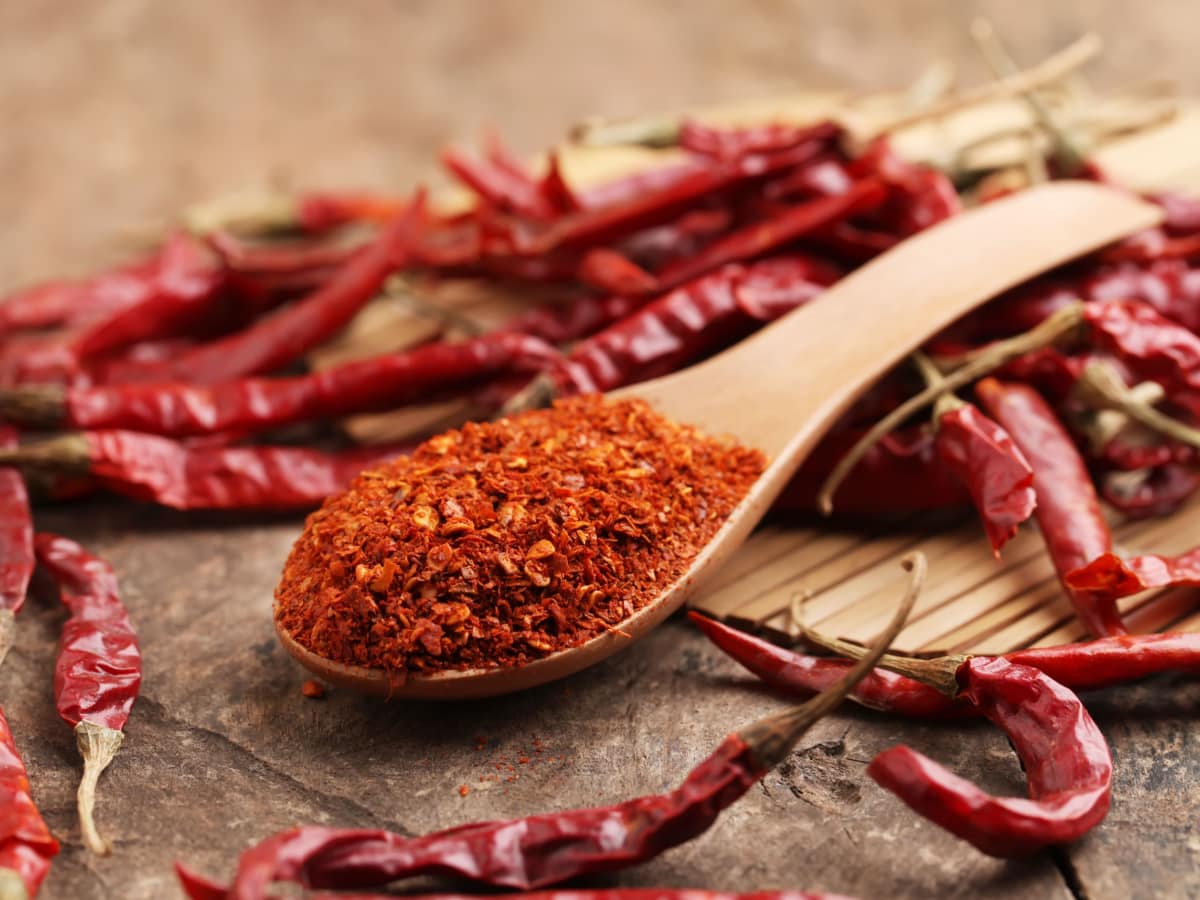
{"points": [[117, 113]]}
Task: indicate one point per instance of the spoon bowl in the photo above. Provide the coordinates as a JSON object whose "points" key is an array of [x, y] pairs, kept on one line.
{"points": [[782, 388]]}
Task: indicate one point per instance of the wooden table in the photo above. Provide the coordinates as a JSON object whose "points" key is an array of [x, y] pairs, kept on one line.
{"points": [[117, 113]]}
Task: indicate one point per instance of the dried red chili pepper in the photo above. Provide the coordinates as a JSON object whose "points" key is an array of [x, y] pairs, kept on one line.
{"points": [[1181, 212], [798, 673], [1066, 760], [99, 668], [160, 470], [1115, 576], [1170, 286], [502, 542], [379, 383], [1062, 750], [26, 845], [1151, 245], [593, 226], [921, 197], [549, 849], [502, 182], [61, 304], [691, 321], [179, 297], [754, 240], [16, 544], [278, 340], [614, 273], [1104, 662], [1068, 511], [1152, 346], [984, 458]]}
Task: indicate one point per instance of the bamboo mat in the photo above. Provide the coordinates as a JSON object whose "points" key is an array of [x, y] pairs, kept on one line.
{"points": [[851, 582], [853, 579]]}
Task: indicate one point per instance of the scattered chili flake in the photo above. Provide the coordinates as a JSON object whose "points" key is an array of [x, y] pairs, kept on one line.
{"points": [[504, 541], [313, 690], [463, 790]]}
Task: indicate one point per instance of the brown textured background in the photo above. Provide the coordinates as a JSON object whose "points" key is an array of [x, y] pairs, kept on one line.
{"points": [[114, 114]]}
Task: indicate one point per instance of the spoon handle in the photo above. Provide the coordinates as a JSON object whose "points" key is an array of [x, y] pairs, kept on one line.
{"points": [[782, 388]]}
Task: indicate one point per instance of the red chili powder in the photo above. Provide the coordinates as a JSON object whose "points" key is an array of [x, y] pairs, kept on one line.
{"points": [[501, 542]]}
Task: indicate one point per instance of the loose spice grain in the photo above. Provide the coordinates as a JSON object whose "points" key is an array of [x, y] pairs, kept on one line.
{"points": [[502, 542]]}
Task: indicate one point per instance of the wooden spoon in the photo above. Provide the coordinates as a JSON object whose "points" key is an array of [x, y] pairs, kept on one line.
{"points": [[782, 388]]}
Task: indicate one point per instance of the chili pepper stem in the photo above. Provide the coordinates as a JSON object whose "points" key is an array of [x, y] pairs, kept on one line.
{"points": [[68, 452], [940, 674], [1050, 331], [37, 406], [1053, 68], [933, 376], [773, 738], [11, 886], [97, 745], [1066, 152], [1101, 386], [246, 212], [402, 290], [8, 627], [538, 394]]}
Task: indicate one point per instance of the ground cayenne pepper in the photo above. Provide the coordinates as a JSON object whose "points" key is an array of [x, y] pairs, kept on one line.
{"points": [[499, 543]]}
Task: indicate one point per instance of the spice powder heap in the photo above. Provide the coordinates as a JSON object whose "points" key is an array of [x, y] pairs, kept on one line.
{"points": [[502, 542]]}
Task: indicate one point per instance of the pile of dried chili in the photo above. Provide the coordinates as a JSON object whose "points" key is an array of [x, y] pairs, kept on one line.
{"points": [[499, 543]]}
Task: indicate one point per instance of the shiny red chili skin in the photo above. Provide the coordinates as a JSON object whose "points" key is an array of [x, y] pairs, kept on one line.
{"points": [[26, 845], [248, 405], [1104, 662], [752, 241], [184, 294], [798, 673], [1152, 346], [523, 854], [688, 323], [1068, 510], [273, 342], [1065, 756], [99, 668], [16, 532], [984, 458], [160, 470]]}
